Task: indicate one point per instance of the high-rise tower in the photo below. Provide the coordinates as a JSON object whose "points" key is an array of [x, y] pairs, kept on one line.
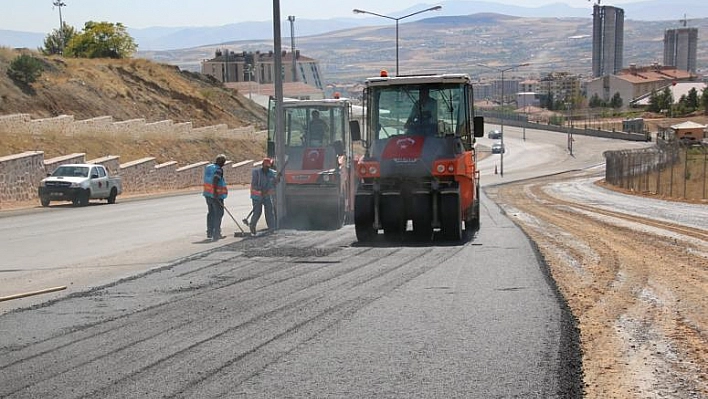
{"points": [[680, 47], [607, 40]]}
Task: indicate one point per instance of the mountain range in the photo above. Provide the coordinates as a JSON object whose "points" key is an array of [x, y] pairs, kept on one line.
{"points": [[165, 38], [458, 44]]}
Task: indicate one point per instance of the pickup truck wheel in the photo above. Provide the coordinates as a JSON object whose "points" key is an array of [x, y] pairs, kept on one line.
{"points": [[112, 197], [84, 197], [44, 200]]}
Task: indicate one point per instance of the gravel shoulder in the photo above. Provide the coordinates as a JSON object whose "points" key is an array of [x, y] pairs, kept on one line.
{"points": [[635, 281]]}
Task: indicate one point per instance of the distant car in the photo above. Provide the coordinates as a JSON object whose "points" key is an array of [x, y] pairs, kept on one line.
{"points": [[494, 134], [498, 148]]}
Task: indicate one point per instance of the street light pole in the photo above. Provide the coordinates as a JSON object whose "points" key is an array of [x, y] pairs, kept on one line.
{"points": [[60, 4], [501, 119], [291, 18], [279, 120], [569, 127], [358, 11]]}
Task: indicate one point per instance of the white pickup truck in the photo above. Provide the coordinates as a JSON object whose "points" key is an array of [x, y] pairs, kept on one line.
{"points": [[79, 183]]}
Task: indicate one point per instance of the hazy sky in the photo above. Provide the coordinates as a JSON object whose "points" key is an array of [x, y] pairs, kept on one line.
{"points": [[41, 15]]}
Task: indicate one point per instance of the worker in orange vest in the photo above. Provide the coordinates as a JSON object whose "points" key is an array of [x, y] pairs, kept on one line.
{"points": [[263, 182], [215, 191]]}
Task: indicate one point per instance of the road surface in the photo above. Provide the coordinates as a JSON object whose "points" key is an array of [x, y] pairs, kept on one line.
{"points": [[290, 315]]}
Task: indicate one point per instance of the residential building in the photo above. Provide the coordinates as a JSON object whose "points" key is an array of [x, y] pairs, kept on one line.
{"points": [[228, 66], [607, 40], [680, 47], [298, 90], [560, 86], [529, 86], [483, 91], [527, 99], [492, 90], [634, 82]]}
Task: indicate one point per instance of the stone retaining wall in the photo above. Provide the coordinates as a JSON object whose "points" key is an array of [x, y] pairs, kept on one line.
{"points": [[105, 125], [191, 175], [110, 162], [53, 163], [141, 175], [20, 174]]}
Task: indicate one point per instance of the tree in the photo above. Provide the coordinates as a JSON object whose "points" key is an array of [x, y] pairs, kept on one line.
{"points": [[56, 41], [25, 69], [692, 99], [596, 101], [659, 102], [704, 100], [666, 98], [654, 105], [616, 101], [101, 40]]}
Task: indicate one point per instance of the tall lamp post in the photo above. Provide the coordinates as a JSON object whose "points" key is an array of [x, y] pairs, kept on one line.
{"points": [[279, 119], [60, 4], [568, 104], [501, 119], [291, 18], [357, 11]]}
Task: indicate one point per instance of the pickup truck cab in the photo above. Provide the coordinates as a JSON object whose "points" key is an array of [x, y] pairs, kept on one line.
{"points": [[79, 183]]}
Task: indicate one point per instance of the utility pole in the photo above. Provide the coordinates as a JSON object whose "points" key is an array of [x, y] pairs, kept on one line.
{"points": [[291, 18], [279, 120], [60, 4]]}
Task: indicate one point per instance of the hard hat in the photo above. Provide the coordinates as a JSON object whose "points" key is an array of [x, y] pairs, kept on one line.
{"points": [[383, 73], [220, 159], [267, 162]]}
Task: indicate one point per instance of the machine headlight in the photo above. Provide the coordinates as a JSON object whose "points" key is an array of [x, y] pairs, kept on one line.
{"points": [[451, 168], [372, 170], [441, 168], [325, 178]]}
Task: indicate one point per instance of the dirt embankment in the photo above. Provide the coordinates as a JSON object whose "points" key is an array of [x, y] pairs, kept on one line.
{"points": [[127, 89], [637, 287], [124, 89]]}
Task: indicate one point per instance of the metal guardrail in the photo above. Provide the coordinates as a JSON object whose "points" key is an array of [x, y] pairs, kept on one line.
{"points": [[521, 120]]}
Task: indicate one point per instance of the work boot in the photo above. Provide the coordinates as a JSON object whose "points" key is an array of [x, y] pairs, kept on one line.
{"points": [[253, 230]]}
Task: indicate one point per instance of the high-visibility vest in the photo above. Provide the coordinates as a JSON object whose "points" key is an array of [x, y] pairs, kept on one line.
{"points": [[262, 184], [220, 190]]}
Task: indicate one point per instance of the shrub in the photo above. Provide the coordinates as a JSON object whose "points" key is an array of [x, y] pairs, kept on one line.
{"points": [[25, 69]]}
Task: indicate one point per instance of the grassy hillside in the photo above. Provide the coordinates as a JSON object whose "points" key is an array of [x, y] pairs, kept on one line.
{"points": [[127, 89]]}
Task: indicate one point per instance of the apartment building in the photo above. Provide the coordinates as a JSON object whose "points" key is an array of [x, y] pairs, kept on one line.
{"points": [[561, 86], [607, 40], [228, 66], [680, 46]]}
